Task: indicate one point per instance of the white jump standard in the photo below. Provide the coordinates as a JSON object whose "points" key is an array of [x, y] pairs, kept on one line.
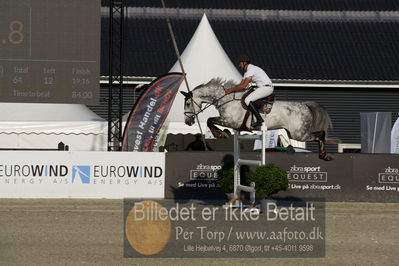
{"points": [[238, 162]]}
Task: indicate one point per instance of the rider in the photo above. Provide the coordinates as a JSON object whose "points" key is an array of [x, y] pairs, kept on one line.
{"points": [[263, 87]]}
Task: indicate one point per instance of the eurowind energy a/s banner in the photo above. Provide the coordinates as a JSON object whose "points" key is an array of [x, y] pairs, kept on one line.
{"points": [[150, 112], [82, 174]]}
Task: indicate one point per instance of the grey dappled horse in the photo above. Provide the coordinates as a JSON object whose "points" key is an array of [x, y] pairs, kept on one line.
{"points": [[304, 121]]}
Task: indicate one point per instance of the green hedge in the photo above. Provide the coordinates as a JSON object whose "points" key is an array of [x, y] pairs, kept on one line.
{"points": [[269, 179], [226, 177]]}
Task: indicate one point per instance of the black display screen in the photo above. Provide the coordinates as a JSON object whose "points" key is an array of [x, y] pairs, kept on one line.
{"points": [[50, 51]]}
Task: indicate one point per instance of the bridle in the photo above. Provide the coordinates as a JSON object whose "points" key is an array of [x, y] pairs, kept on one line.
{"points": [[214, 102]]}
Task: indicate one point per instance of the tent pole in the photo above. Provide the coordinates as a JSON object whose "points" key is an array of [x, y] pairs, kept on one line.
{"points": [[172, 35]]}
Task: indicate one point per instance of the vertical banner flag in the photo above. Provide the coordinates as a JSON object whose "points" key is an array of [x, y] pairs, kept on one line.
{"points": [[150, 112], [395, 137]]}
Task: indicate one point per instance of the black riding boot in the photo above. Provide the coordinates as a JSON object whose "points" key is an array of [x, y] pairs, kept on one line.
{"points": [[254, 111]]}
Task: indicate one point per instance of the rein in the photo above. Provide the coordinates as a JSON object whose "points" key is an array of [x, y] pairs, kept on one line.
{"points": [[214, 102]]}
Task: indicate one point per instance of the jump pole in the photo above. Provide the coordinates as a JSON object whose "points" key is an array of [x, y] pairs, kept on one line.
{"points": [[172, 35]]}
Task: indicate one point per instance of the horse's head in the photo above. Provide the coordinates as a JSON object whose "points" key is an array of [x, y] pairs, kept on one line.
{"points": [[209, 93], [191, 108]]}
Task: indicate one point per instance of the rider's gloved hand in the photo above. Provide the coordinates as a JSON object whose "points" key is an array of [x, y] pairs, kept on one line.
{"points": [[228, 91]]}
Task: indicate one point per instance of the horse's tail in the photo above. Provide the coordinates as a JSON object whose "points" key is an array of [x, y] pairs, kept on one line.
{"points": [[321, 119]]}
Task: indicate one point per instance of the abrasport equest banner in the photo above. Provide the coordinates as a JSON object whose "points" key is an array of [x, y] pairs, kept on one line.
{"points": [[150, 112]]}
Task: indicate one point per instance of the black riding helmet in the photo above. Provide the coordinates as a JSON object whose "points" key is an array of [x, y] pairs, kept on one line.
{"points": [[243, 58]]}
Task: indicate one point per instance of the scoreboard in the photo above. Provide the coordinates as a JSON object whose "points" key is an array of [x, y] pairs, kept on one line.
{"points": [[50, 51]]}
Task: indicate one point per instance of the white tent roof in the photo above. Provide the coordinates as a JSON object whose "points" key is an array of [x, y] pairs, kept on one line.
{"points": [[203, 59], [38, 126], [46, 112]]}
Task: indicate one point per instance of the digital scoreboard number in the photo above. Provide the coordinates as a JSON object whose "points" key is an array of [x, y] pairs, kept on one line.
{"points": [[50, 51]]}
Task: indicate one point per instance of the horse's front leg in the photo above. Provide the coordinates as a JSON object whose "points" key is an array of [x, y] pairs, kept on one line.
{"points": [[321, 138], [217, 132]]}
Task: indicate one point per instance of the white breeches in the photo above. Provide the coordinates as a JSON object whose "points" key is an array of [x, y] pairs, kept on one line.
{"points": [[259, 93]]}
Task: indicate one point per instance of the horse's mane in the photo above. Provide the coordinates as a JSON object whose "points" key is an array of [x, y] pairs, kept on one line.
{"points": [[221, 82]]}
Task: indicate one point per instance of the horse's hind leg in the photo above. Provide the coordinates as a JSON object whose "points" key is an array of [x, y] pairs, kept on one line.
{"points": [[320, 136], [217, 132]]}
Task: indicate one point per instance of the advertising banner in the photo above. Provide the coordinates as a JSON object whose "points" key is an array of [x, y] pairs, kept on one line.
{"points": [[309, 176], [361, 177], [59, 174], [150, 112], [376, 179], [194, 175]]}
